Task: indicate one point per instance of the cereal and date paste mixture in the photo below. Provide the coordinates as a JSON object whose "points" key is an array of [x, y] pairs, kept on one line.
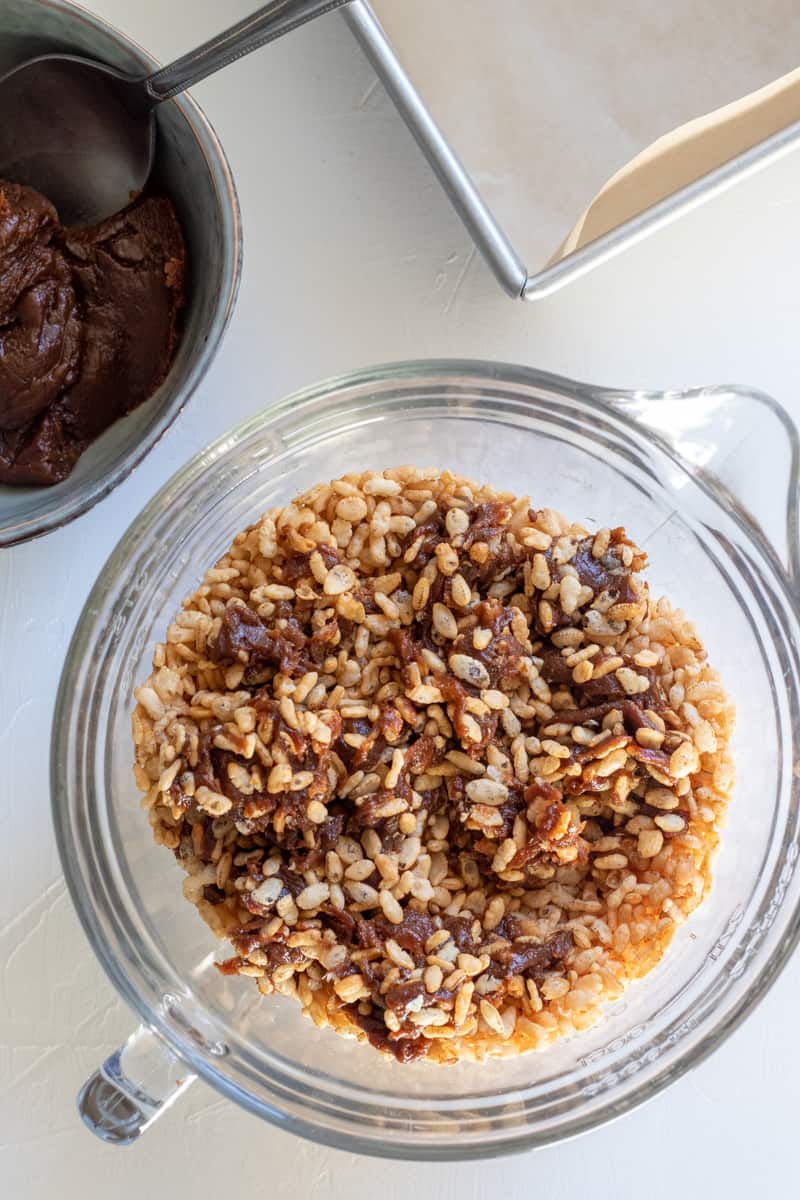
{"points": [[435, 763]]}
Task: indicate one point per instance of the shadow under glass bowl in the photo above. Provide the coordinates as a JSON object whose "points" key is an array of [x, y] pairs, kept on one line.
{"points": [[191, 168], [601, 457]]}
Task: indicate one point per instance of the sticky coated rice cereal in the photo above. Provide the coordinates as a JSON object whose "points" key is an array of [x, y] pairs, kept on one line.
{"points": [[435, 763]]}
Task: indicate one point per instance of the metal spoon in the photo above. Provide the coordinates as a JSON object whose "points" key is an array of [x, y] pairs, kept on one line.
{"points": [[84, 134]]}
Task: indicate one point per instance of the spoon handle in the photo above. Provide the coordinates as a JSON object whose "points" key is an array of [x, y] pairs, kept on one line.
{"points": [[269, 22]]}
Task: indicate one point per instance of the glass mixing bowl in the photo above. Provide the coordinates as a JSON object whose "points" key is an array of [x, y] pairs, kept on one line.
{"points": [[669, 467]]}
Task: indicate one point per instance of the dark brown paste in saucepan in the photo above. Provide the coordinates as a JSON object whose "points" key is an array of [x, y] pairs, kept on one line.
{"points": [[89, 325]]}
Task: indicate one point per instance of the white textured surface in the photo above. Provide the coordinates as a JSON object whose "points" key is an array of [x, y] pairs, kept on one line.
{"points": [[352, 257], [589, 87]]}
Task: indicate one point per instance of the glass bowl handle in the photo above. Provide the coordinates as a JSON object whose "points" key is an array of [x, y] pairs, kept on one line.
{"points": [[132, 1088], [743, 445]]}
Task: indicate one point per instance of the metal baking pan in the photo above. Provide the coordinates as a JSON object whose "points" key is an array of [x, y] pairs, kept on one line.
{"points": [[481, 224]]}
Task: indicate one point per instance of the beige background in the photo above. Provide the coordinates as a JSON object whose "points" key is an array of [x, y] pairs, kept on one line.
{"points": [[545, 101]]}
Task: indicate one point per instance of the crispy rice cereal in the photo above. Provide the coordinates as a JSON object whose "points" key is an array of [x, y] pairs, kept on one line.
{"points": [[435, 763]]}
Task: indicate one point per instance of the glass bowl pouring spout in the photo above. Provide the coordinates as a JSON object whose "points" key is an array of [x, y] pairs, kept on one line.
{"points": [[741, 443]]}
